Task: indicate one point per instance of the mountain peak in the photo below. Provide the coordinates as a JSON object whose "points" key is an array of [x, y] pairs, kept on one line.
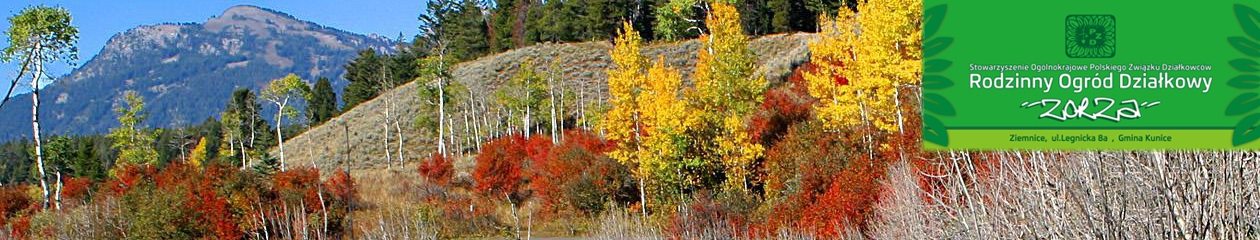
{"points": [[256, 20], [186, 71]]}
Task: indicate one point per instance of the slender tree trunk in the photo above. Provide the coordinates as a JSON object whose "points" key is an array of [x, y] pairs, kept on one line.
{"points": [[231, 146], [57, 194], [183, 149], [469, 130], [485, 127], [528, 111], [450, 127], [638, 146], [441, 114], [389, 159], [280, 134], [244, 157], [897, 103], [560, 105], [551, 88], [39, 146], [581, 105], [527, 128], [253, 130], [643, 198], [485, 121], [398, 132], [866, 135]]}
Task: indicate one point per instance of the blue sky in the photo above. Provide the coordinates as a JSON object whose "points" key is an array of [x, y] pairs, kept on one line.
{"points": [[98, 20]]}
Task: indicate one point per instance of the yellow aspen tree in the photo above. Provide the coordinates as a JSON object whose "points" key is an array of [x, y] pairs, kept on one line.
{"points": [[622, 123], [664, 117], [725, 93], [199, 153], [860, 76]]}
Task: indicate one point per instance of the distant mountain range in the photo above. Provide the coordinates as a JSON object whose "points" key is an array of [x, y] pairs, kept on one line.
{"points": [[187, 71]]}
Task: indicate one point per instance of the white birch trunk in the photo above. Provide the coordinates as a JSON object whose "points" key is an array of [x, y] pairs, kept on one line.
{"points": [[279, 133], [39, 146], [441, 115], [551, 88]]}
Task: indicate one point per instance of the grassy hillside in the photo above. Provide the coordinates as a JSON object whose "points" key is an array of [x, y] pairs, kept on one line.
{"points": [[583, 66]]}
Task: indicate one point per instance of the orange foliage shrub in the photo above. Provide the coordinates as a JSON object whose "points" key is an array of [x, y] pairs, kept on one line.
{"points": [[341, 185], [212, 207], [825, 180], [75, 190], [499, 168], [847, 202], [13, 199], [577, 175], [298, 185], [21, 228], [782, 107], [126, 178], [537, 148], [438, 169]]}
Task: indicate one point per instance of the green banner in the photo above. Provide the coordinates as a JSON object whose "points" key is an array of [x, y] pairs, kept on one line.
{"points": [[1091, 75]]}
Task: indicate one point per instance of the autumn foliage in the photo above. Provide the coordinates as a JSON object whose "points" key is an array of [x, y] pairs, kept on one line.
{"points": [[438, 169], [499, 168], [75, 189], [726, 155], [12, 200], [214, 202], [341, 186], [577, 176], [860, 75]]}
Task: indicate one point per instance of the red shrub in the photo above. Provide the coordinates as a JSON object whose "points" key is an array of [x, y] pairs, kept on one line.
{"points": [[75, 189], [806, 156], [537, 147], [212, 208], [12, 200], [587, 140], [566, 164], [849, 199], [214, 211], [21, 228], [341, 186], [298, 185], [438, 169], [499, 166], [126, 178], [825, 180], [782, 108], [176, 174]]}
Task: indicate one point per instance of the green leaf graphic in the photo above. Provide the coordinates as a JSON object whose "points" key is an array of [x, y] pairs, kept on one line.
{"points": [[936, 82], [1243, 132], [1251, 48], [936, 46], [938, 104], [939, 65], [934, 131], [1242, 104], [1240, 82], [932, 19], [1245, 65], [1249, 19]]}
